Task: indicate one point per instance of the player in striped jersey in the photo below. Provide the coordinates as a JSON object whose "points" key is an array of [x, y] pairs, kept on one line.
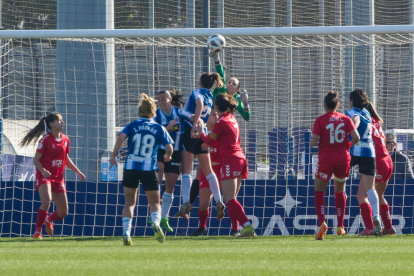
{"points": [[331, 130], [363, 154], [384, 169], [144, 138], [172, 117], [199, 103]]}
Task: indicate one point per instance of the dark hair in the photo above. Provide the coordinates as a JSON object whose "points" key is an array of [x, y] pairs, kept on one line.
{"points": [[359, 98], [225, 102], [331, 100], [207, 80], [177, 98], [373, 112], [147, 106], [39, 129]]}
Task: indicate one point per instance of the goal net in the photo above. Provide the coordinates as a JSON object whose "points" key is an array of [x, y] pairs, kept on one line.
{"points": [[95, 80]]}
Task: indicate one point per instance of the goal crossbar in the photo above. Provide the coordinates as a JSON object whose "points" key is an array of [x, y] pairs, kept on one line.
{"points": [[242, 32]]}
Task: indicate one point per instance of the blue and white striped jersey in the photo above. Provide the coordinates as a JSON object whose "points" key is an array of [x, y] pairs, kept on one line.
{"points": [[365, 147], [179, 116], [144, 137], [190, 106]]}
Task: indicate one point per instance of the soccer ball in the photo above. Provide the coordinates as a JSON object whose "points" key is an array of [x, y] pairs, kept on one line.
{"points": [[216, 42]]}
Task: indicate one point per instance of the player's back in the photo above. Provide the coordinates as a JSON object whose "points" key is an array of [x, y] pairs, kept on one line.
{"points": [[378, 138], [144, 137], [228, 141], [206, 97], [332, 129], [365, 146]]}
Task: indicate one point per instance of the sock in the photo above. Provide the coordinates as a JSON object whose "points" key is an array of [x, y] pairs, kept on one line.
{"points": [[214, 186], [340, 203], [366, 214], [53, 217], [320, 206], [194, 191], [202, 216], [373, 200], [234, 223], [41, 216], [385, 216], [126, 225], [185, 187], [237, 211], [167, 200], [156, 217]]}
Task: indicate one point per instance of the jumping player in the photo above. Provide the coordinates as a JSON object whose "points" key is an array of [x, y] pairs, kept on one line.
{"points": [[233, 161], [384, 169], [363, 154], [199, 103], [52, 155], [144, 138], [331, 130]]}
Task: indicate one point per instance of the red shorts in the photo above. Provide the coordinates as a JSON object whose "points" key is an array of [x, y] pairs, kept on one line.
{"points": [[325, 169], [233, 167], [57, 187], [203, 181], [384, 168]]}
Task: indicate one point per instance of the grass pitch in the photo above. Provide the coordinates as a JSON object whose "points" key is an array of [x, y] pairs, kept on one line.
{"points": [[276, 255]]}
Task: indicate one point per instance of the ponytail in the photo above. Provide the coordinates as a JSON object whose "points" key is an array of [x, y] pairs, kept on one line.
{"points": [[147, 106], [373, 112], [207, 80], [225, 103], [331, 100], [34, 134], [176, 97]]}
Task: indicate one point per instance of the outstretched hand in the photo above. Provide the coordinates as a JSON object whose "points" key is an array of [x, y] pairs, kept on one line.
{"points": [[244, 97]]}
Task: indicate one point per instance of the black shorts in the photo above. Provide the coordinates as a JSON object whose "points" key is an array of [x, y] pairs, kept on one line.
{"points": [[366, 164], [192, 145], [148, 179], [174, 165]]}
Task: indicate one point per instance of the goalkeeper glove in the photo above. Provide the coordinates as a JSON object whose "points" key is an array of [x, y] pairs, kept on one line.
{"points": [[244, 98], [215, 57]]}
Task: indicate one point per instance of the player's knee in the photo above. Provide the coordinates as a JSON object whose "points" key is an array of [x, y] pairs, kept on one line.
{"points": [[45, 203], [62, 213], [361, 197]]}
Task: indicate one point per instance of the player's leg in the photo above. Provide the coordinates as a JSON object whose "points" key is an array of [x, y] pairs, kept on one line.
{"points": [[151, 188], [365, 206], [62, 209], [160, 174], [130, 195], [167, 199], [205, 164], [340, 204], [45, 194], [320, 188], [195, 187], [186, 167], [229, 187], [384, 208], [203, 210]]}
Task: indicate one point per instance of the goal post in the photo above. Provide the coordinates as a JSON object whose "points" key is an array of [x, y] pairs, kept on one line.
{"points": [[286, 71]]}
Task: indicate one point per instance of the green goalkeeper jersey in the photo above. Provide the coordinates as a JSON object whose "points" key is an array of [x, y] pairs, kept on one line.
{"points": [[217, 90]]}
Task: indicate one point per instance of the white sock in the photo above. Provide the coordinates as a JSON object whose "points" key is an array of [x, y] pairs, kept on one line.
{"points": [[245, 224], [126, 225], [167, 200], [214, 186], [186, 187], [373, 200], [156, 217]]}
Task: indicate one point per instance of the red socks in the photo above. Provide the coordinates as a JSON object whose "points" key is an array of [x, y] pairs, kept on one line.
{"points": [[236, 211], [53, 217], [41, 216], [385, 216], [366, 213], [234, 223], [340, 204], [202, 216], [320, 206]]}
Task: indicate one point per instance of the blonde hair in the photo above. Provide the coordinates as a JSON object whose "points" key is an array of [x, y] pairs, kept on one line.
{"points": [[147, 106]]}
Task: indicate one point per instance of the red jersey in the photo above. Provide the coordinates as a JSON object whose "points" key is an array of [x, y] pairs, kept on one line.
{"points": [[54, 154], [332, 129], [214, 152], [226, 132], [379, 139]]}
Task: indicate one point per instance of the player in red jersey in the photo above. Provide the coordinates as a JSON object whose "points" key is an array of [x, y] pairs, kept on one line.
{"points": [[204, 186], [384, 169], [334, 158], [233, 161], [52, 155]]}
